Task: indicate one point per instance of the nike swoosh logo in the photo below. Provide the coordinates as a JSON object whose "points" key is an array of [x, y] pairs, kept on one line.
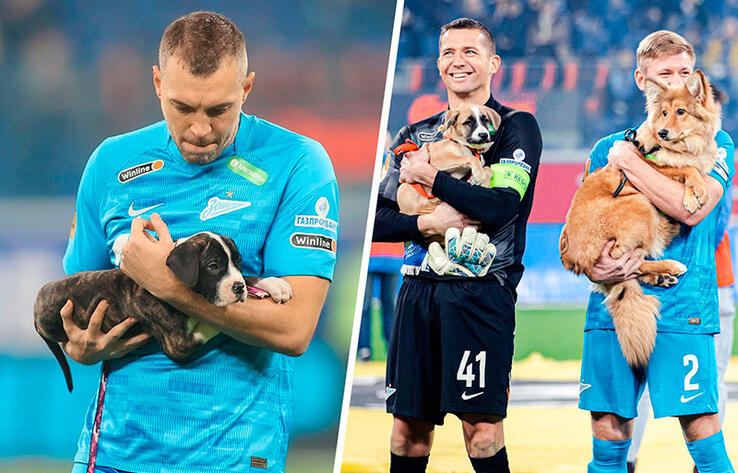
{"points": [[687, 399], [136, 213], [466, 397]]}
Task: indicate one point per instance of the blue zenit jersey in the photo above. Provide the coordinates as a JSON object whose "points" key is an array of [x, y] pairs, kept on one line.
{"points": [[691, 305], [275, 194]]}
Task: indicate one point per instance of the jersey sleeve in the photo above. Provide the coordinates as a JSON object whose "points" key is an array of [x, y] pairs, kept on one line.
{"points": [[389, 223], [598, 156], [87, 247], [724, 168], [519, 153], [304, 233], [391, 179]]}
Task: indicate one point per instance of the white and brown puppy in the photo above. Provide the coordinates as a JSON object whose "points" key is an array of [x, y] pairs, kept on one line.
{"points": [[208, 263], [468, 131]]}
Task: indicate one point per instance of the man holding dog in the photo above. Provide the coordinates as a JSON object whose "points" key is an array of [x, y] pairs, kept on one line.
{"points": [[207, 166], [681, 372], [452, 343]]}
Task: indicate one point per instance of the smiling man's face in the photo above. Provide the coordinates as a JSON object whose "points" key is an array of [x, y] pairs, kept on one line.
{"points": [[466, 64], [202, 112], [671, 70]]}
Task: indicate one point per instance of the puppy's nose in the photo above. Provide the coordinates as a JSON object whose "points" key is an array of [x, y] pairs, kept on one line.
{"points": [[238, 287], [483, 135], [663, 133]]}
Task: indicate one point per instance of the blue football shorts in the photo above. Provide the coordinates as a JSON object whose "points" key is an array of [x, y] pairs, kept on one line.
{"points": [[681, 375]]}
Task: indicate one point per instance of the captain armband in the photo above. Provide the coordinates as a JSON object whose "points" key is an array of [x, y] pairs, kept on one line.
{"points": [[510, 175]]}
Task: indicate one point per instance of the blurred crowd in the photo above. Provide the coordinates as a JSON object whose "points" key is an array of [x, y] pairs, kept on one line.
{"points": [[73, 72], [584, 47]]}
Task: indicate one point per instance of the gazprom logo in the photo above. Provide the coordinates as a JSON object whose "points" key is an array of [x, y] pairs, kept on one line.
{"points": [[217, 207], [322, 206]]}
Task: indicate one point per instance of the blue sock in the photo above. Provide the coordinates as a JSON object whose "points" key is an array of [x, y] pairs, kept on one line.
{"points": [[609, 456], [709, 454]]}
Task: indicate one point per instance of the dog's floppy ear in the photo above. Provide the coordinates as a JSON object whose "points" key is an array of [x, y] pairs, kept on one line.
{"points": [[451, 117], [653, 90], [697, 85], [184, 261], [494, 117]]}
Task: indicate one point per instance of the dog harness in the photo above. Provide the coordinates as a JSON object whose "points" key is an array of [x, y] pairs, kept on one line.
{"points": [[630, 136]]}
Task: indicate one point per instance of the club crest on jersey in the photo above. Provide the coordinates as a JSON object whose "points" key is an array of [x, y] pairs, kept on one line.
{"points": [[310, 240], [139, 170], [322, 206], [217, 207]]}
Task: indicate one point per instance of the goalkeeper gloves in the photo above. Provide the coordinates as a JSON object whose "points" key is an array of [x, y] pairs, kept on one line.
{"points": [[467, 254]]}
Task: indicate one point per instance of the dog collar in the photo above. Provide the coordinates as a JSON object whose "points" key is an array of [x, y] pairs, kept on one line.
{"points": [[630, 136], [408, 145]]}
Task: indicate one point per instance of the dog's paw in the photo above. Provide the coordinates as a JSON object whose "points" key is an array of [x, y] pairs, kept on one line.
{"points": [[278, 289], [666, 280], [701, 194], [680, 269], [660, 279], [475, 181], [690, 201]]}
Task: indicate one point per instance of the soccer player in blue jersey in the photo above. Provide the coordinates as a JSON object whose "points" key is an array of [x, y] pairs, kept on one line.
{"points": [[681, 373], [207, 166]]}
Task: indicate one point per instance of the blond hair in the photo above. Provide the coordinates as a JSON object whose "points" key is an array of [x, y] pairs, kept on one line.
{"points": [[661, 43]]}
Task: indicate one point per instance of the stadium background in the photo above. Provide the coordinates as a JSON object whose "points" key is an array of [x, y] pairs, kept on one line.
{"points": [[570, 62], [74, 72]]}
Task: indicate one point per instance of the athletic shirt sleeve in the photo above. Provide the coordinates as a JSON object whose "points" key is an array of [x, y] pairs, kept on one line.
{"points": [[724, 168], [598, 156], [87, 248], [304, 233], [389, 223]]}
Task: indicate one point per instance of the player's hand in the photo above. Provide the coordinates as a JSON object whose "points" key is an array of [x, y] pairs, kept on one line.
{"points": [[415, 167], [144, 258], [442, 218], [467, 254], [91, 345], [623, 155], [610, 270]]}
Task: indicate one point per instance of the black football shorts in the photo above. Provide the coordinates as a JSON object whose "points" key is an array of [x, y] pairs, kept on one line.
{"points": [[451, 349]]}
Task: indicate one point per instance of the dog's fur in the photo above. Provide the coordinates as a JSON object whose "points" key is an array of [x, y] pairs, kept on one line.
{"points": [[687, 118], [208, 263], [465, 130]]}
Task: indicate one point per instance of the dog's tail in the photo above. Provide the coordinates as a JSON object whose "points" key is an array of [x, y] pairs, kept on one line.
{"points": [[59, 355], [634, 316]]}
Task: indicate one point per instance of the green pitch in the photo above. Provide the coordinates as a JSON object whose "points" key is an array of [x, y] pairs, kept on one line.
{"points": [[555, 333]]}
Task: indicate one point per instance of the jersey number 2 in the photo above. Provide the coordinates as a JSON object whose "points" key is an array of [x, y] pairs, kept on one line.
{"points": [[466, 371], [688, 384]]}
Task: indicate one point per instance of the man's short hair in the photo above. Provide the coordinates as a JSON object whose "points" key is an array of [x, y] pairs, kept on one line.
{"points": [[469, 24], [661, 43], [201, 40]]}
